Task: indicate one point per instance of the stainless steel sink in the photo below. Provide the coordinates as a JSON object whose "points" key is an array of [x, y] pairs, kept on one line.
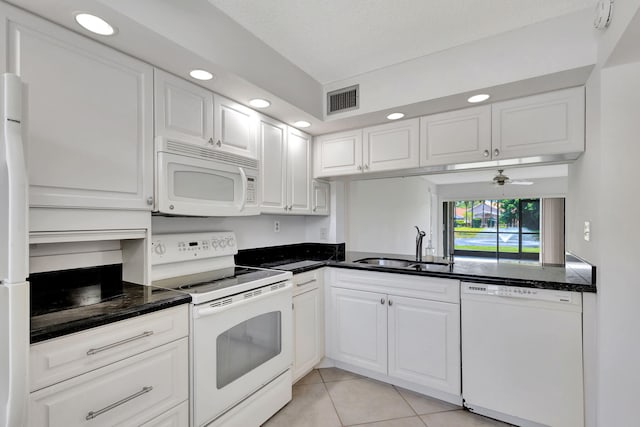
{"points": [[386, 262], [403, 263]]}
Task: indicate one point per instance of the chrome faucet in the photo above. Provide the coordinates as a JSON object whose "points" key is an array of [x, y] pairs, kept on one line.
{"points": [[419, 238]]}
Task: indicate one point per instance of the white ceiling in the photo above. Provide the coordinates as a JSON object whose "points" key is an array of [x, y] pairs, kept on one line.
{"points": [[336, 39], [517, 174]]}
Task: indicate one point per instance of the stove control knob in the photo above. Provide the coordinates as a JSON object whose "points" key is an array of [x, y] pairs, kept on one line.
{"points": [[223, 243], [230, 242], [215, 243], [160, 248]]}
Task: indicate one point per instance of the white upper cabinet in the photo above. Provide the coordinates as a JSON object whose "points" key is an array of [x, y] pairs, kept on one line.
{"points": [[320, 197], [286, 168], [391, 146], [182, 110], [456, 136], [235, 127], [89, 118], [378, 148], [272, 136], [550, 123], [299, 171], [338, 154]]}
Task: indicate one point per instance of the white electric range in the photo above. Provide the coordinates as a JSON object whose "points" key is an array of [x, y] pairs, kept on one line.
{"points": [[241, 327]]}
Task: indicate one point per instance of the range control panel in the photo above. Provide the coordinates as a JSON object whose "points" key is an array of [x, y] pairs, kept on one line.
{"points": [[517, 292], [168, 248]]}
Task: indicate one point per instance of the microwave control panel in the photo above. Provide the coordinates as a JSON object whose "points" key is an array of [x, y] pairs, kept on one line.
{"points": [[170, 248], [251, 190]]}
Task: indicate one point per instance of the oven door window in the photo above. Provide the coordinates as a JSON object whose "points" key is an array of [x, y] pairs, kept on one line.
{"points": [[246, 346]]}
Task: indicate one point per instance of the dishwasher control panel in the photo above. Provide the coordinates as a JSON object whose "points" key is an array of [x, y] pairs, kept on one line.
{"points": [[517, 292]]}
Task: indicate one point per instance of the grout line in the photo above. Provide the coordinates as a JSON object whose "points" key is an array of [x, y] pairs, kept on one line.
{"points": [[405, 400], [332, 402]]}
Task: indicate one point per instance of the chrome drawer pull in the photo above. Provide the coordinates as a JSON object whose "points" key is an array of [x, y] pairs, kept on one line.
{"points": [[305, 283], [91, 415], [115, 344]]}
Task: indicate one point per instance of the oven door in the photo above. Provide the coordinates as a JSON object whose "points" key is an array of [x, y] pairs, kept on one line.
{"points": [[198, 187], [239, 344]]}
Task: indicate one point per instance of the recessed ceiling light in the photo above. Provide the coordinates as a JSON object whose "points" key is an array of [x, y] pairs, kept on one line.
{"points": [[201, 75], [259, 103], [395, 116], [95, 24], [302, 124], [478, 98]]}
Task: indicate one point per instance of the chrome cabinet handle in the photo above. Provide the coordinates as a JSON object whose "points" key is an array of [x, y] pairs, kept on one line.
{"points": [[210, 141], [496, 152], [359, 167], [382, 301], [314, 209], [485, 153], [219, 143], [390, 303], [366, 166], [93, 414], [305, 283], [149, 201], [118, 343]]}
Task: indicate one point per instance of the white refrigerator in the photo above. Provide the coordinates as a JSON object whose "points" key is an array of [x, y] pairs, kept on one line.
{"points": [[14, 231]]}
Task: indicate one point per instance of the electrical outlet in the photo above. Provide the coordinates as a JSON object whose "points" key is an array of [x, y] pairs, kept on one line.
{"points": [[587, 231], [324, 233], [276, 226]]}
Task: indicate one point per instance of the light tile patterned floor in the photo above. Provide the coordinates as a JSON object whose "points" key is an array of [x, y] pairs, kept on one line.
{"points": [[332, 397]]}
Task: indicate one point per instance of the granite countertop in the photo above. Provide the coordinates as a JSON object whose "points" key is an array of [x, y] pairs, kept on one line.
{"points": [[576, 275], [65, 311]]}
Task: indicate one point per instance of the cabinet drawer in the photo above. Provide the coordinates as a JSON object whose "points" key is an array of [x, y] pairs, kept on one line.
{"points": [[62, 358], [306, 281], [126, 393], [174, 417], [431, 288]]}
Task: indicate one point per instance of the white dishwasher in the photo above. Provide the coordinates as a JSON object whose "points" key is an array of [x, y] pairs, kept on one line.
{"points": [[522, 354]]}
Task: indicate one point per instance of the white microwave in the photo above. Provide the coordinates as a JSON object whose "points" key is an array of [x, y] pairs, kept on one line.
{"points": [[198, 181]]}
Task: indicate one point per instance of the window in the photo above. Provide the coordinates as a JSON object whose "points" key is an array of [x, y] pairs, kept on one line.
{"points": [[508, 228]]}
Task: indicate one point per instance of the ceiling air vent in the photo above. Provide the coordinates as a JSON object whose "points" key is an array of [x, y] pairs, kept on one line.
{"points": [[344, 99]]}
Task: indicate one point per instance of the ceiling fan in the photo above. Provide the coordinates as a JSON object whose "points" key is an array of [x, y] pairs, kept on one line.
{"points": [[501, 179]]}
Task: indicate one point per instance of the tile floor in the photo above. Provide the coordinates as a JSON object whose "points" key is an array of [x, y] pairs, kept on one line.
{"points": [[332, 397]]}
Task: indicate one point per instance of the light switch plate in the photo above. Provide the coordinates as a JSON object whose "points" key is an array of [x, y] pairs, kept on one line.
{"points": [[587, 231]]}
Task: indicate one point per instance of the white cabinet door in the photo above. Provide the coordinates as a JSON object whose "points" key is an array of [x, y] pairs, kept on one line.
{"points": [[359, 328], [320, 197], [299, 171], [338, 154], [456, 137], [89, 118], [272, 136], [182, 110], [307, 329], [235, 127], [391, 146], [424, 342], [550, 123]]}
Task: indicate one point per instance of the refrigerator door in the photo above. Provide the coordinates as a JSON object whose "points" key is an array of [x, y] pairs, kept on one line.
{"points": [[14, 290], [13, 185]]}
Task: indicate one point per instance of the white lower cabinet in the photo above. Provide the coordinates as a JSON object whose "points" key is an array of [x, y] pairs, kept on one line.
{"points": [[128, 373], [308, 322], [393, 324]]}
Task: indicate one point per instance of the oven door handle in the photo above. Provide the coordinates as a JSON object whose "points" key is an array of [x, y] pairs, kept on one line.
{"points": [[212, 308], [243, 177]]}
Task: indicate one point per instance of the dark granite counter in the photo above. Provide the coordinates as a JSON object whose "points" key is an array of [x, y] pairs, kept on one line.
{"points": [[60, 307], [576, 275]]}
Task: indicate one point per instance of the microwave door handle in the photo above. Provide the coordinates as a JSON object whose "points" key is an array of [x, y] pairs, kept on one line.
{"points": [[243, 177]]}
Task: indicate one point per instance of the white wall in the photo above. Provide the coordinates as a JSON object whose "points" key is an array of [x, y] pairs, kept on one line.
{"points": [[601, 189], [382, 214], [251, 231]]}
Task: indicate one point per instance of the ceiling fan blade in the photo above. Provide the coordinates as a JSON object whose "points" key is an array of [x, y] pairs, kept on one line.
{"points": [[520, 183]]}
